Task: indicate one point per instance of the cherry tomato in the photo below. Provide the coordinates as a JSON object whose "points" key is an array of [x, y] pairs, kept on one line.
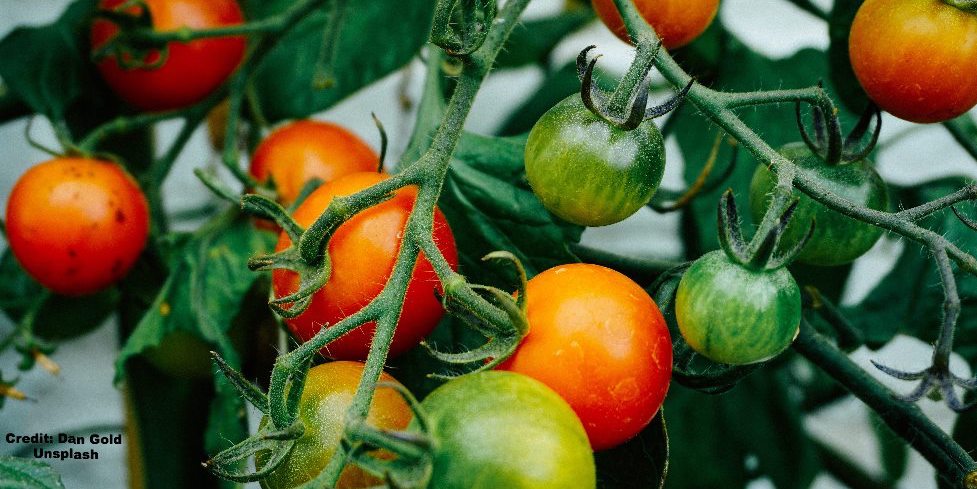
{"points": [[734, 314], [599, 340], [298, 152], [837, 239], [677, 22], [589, 172], [500, 429], [192, 70], [916, 58], [328, 394], [363, 252], [77, 225]]}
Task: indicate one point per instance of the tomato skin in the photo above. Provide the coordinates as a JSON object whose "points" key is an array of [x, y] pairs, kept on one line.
{"points": [[500, 429], [77, 225], [192, 71], [837, 239], [589, 172], [916, 58], [677, 22], [302, 150], [363, 252], [736, 315], [328, 394], [599, 340]]}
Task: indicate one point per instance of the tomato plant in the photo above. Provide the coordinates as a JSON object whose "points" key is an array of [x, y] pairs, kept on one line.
{"points": [[188, 71], [837, 239], [363, 251], [501, 429], [926, 75], [589, 172], [304, 150], [328, 393], [677, 22], [77, 225], [598, 340]]}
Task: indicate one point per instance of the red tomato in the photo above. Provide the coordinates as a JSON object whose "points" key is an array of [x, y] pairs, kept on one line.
{"points": [[917, 59], [363, 252], [598, 340], [298, 152], [77, 225], [677, 22], [192, 71]]}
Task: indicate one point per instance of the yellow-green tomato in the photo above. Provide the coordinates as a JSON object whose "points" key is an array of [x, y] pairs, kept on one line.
{"points": [[495, 430], [588, 171], [328, 393], [734, 314]]}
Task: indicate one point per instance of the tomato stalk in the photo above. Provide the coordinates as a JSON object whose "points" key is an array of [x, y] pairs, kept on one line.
{"points": [[966, 5]]}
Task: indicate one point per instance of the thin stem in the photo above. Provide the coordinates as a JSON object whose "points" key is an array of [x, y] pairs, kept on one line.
{"points": [[951, 310], [950, 460], [916, 213], [636, 75]]}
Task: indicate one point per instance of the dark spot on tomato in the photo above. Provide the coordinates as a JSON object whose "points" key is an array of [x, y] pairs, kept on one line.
{"points": [[120, 217]]}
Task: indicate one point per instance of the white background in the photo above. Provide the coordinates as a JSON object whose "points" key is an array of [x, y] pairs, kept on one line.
{"points": [[83, 395]]}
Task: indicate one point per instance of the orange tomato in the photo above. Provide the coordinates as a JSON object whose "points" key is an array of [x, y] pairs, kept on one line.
{"points": [[77, 225], [598, 340], [677, 22], [298, 152], [363, 252], [328, 393], [917, 59], [192, 70]]}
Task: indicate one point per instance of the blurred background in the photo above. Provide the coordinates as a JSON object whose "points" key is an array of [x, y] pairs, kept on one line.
{"points": [[83, 400]]}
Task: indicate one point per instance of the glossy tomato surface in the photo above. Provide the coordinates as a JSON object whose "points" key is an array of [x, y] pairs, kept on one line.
{"points": [[304, 150], [837, 239], [677, 22], [328, 394], [363, 252], [734, 314], [192, 70], [916, 58], [589, 172], [504, 430], [599, 340], [77, 225]]}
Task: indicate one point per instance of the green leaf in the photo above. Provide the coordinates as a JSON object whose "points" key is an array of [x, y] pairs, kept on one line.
{"points": [[534, 40], [490, 207], [47, 66], [19, 473], [60, 318], [893, 450], [641, 463], [208, 279], [377, 38], [842, 75]]}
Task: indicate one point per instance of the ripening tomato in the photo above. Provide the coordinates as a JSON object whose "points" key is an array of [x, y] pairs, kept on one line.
{"points": [[298, 152], [736, 314], [496, 430], [363, 252], [192, 70], [916, 59], [328, 394], [77, 225], [677, 22], [599, 340], [588, 171]]}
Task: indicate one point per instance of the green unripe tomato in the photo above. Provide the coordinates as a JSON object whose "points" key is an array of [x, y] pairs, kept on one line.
{"points": [[837, 238], [734, 314], [588, 171], [505, 430]]}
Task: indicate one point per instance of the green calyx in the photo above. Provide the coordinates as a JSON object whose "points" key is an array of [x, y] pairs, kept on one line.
{"points": [[966, 6], [827, 140], [760, 253]]}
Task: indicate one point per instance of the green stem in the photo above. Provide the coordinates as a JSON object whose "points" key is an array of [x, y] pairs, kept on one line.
{"points": [[966, 5], [916, 213], [950, 460], [809, 7], [637, 72]]}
